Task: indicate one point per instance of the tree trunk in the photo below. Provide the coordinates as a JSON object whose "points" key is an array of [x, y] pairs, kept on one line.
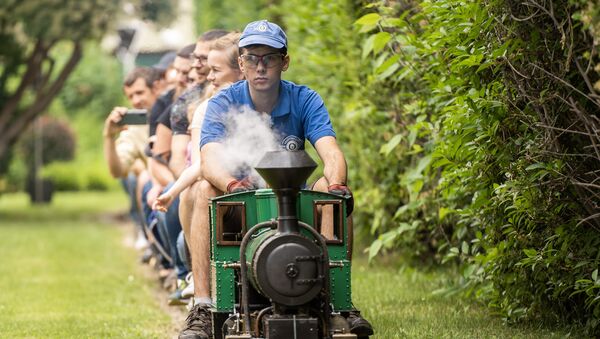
{"points": [[15, 119]]}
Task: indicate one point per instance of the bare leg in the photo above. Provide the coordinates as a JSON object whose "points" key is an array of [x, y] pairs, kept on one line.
{"points": [[326, 211], [187, 198], [327, 218], [200, 239]]}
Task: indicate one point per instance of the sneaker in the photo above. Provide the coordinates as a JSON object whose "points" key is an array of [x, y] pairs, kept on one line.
{"points": [[169, 282], [146, 256], [141, 242], [188, 290], [198, 324], [359, 325], [176, 298]]}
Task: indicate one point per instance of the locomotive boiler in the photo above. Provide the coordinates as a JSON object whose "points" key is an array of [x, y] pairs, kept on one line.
{"points": [[273, 274]]}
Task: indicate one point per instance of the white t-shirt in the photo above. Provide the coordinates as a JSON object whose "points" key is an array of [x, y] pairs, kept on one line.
{"points": [[198, 117]]}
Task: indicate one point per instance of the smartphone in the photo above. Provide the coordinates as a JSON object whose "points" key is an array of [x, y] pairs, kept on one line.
{"points": [[135, 117]]}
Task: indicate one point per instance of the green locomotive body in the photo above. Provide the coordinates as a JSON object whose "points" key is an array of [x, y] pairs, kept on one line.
{"points": [[280, 258], [254, 207]]}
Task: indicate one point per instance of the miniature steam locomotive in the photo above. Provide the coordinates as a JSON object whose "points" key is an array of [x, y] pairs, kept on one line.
{"points": [[273, 274]]}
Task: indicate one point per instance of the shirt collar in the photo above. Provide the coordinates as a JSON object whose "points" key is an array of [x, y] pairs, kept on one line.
{"points": [[283, 102]]}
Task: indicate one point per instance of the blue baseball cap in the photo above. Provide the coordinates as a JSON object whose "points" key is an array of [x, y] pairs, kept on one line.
{"points": [[263, 33]]}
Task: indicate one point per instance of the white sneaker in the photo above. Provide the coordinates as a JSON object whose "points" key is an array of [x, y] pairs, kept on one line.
{"points": [[140, 242], [188, 291]]}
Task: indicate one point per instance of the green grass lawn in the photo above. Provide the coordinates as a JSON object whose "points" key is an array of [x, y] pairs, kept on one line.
{"points": [[400, 303], [65, 273]]}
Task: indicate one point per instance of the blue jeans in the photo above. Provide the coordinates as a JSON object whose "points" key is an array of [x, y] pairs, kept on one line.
{"points": [[183, 251], [167, 230], [153, 225], [129, 185], [170, 226]]}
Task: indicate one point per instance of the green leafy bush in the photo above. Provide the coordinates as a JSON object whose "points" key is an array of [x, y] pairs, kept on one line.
{"points": [[56, 140], [64, 176], [79, 176], [490, 138]]}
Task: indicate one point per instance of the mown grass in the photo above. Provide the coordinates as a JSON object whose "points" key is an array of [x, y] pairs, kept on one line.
{"points": [[399, 302], [64, 272]]}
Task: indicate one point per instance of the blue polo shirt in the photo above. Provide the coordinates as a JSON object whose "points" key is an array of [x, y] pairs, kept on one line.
{"points": [[299, 114]]}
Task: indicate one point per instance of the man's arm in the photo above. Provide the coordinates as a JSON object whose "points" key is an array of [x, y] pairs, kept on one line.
{"points": [[160, 173], [195, 140], [162, 149], [189, 176], [163, 139], [179, 143], [334, 163], [212, 170], [110, 132]]}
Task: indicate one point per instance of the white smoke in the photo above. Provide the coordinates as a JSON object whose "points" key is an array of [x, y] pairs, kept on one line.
{"points": [[249, 136]]}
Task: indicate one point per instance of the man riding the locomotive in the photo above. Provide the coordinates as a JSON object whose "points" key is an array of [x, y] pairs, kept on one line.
{"points": [[297, 113]]}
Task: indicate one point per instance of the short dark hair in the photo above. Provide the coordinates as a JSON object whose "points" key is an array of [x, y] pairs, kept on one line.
{"points": [[149, 74], [213, 34], [282, 50], [187, 51]]}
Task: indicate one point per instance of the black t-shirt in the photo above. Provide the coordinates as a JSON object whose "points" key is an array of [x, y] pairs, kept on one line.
{"points": [[179, 109], [165, 117], [159, 107]]}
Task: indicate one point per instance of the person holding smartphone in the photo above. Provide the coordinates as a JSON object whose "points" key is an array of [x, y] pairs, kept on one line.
{"points": [[124, 145]]}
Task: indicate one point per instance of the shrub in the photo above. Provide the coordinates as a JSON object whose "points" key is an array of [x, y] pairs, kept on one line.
{"points": [[65, 176], [55, 137], [80, 175], [488, 123], [99, 179]]}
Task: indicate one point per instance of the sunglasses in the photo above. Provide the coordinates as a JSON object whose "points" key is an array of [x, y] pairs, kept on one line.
{"points": [[268, 60]]}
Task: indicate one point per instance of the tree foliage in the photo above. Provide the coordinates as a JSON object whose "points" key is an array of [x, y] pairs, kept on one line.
{"points": [[31, 76], [231, 15], [42, 43]]}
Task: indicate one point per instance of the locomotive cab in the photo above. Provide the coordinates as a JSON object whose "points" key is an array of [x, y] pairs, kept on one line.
{"points": [[273, 274]]}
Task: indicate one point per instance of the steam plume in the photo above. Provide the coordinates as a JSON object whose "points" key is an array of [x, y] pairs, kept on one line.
{"points": [[249, 137]]}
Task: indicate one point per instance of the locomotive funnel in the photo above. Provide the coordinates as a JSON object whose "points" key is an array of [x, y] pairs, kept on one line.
{"points": [[285, 169], [285, 172]]}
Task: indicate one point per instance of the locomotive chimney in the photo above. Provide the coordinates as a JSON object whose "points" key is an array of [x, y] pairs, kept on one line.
{"points": [[285, 172]]}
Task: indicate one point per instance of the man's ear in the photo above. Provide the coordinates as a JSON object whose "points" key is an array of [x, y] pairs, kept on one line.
{"points": [[286, 63], [241, 65]]}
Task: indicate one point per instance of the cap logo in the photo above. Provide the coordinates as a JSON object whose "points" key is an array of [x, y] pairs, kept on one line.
{"points": [[262, 28]]}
